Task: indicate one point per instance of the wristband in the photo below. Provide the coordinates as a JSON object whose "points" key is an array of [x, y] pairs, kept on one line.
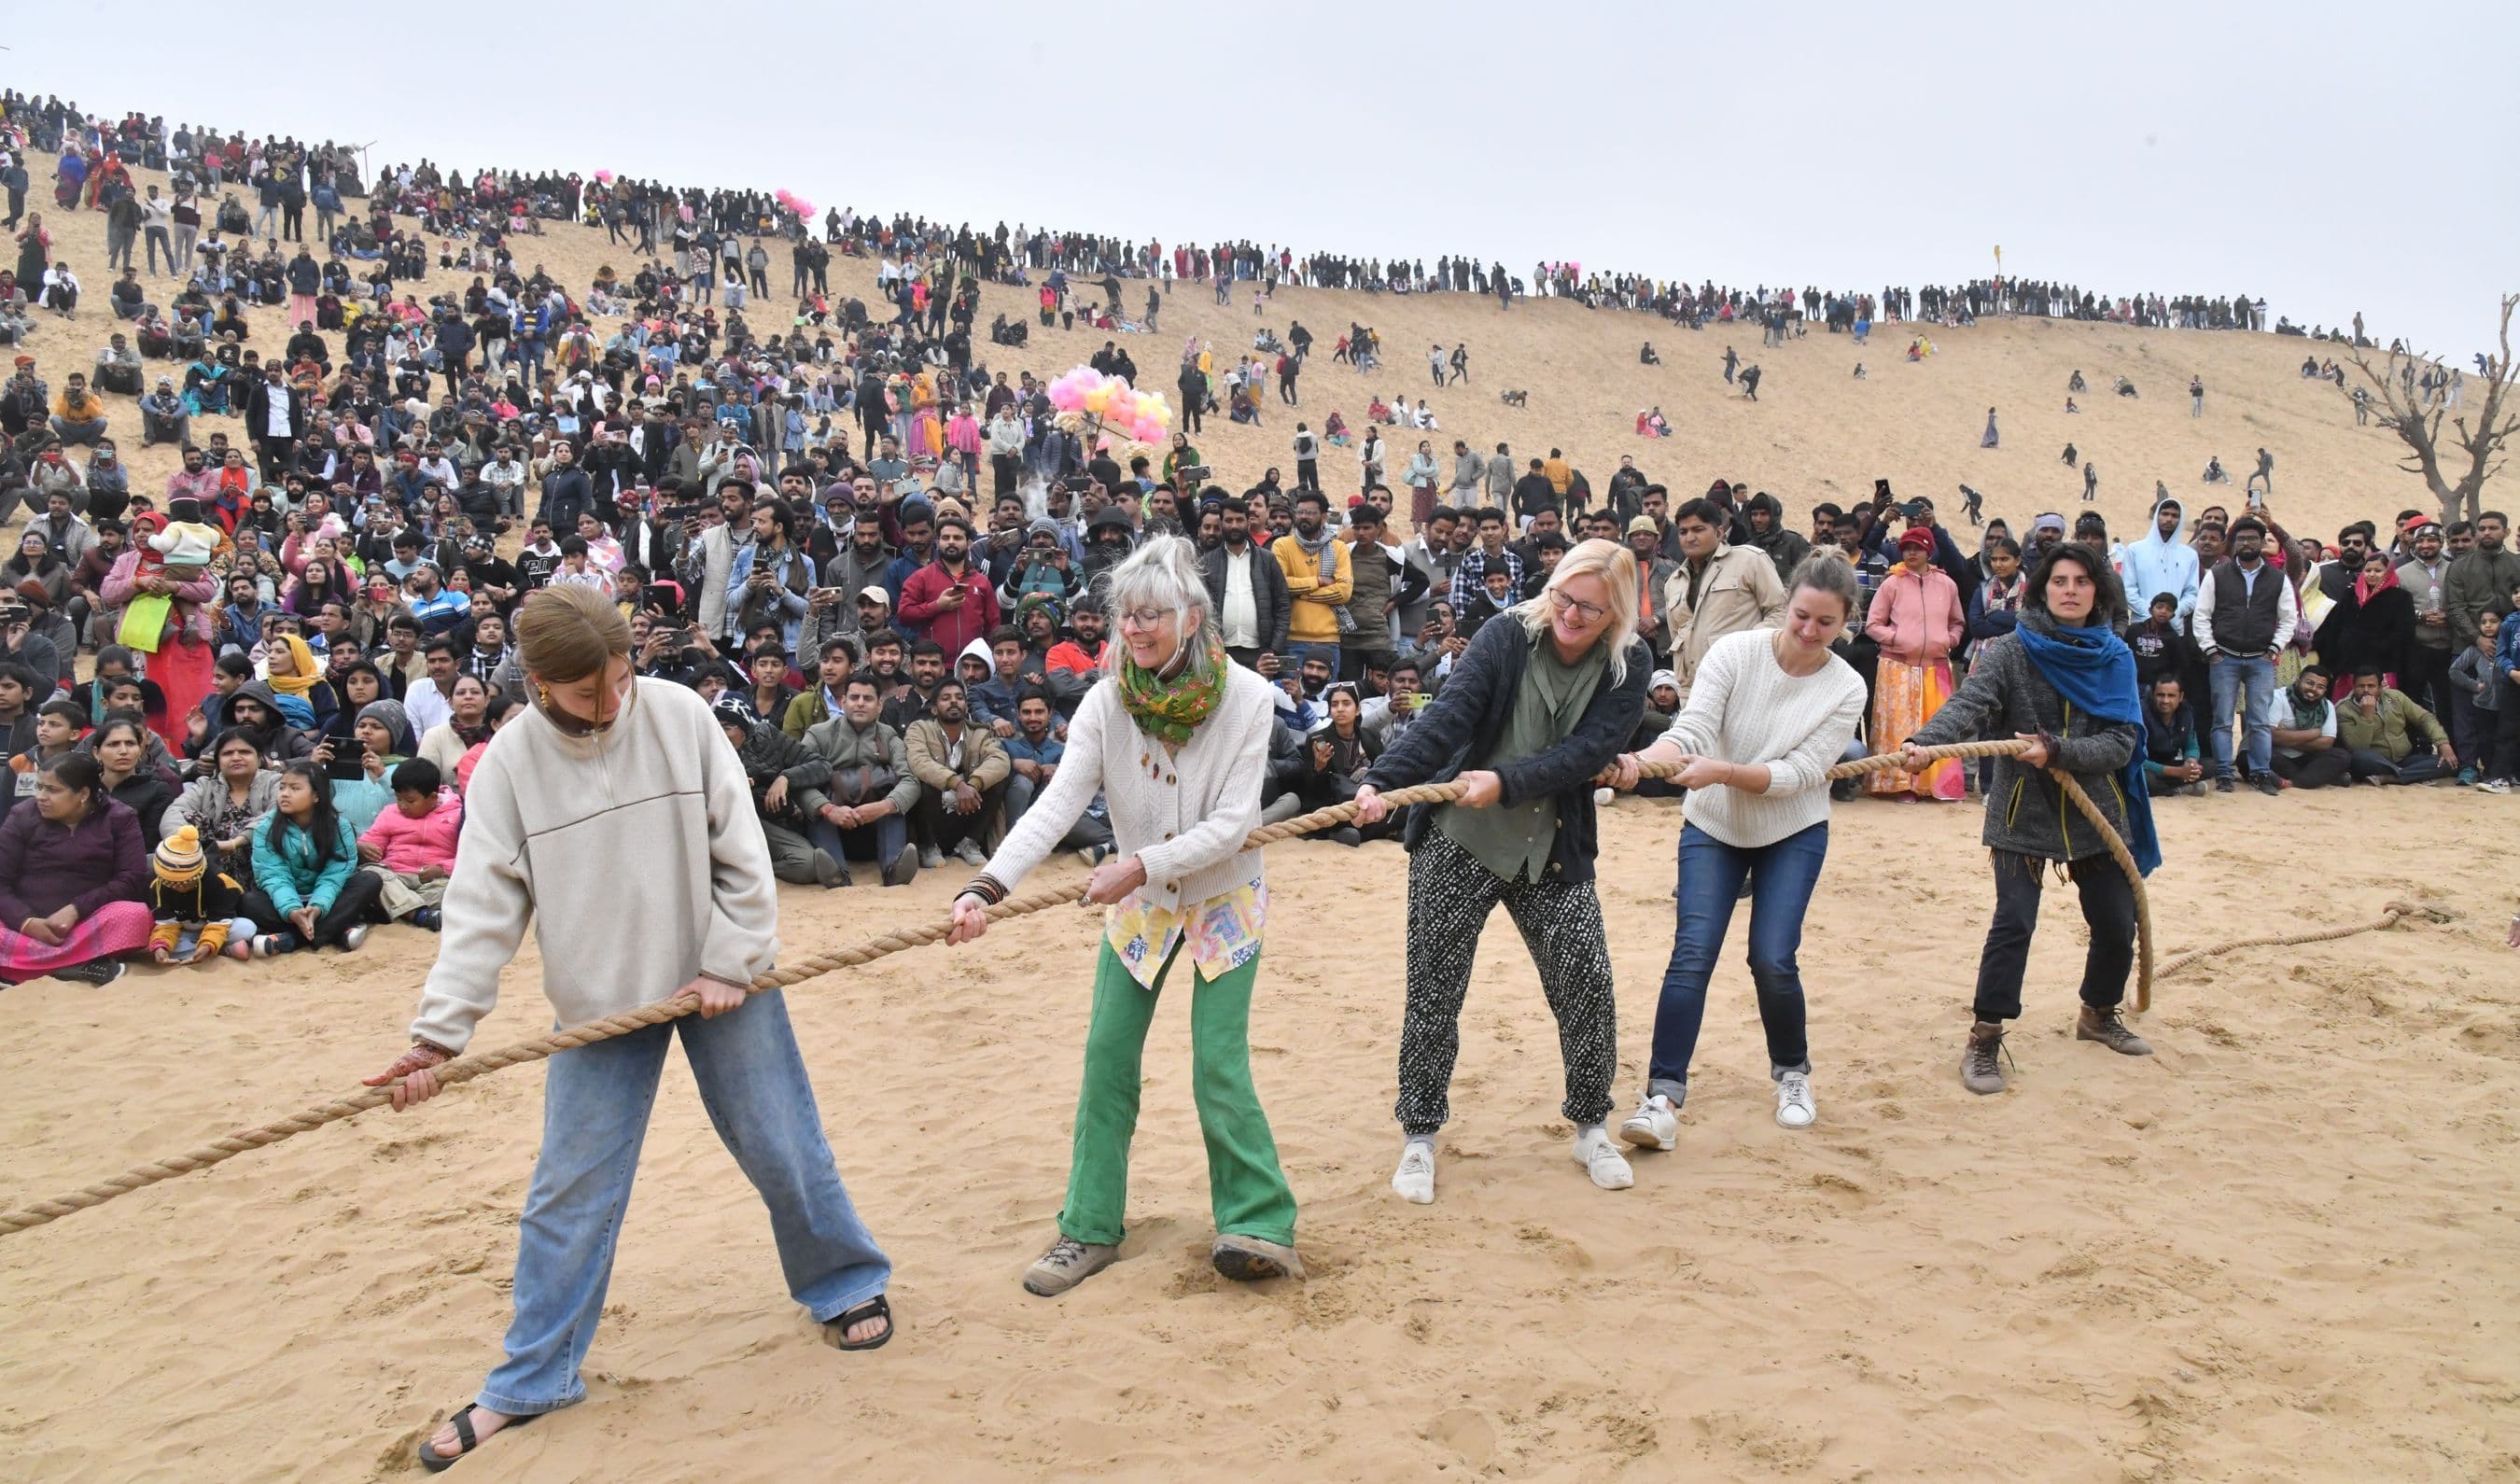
{"points": [[986, 888]]}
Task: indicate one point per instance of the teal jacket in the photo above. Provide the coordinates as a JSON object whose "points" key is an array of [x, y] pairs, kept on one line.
{"points": [[284, 868]]}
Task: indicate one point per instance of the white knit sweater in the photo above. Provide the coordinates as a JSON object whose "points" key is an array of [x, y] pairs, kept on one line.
{"points": [[637, 854], [1744, 708], [1183, 816]]}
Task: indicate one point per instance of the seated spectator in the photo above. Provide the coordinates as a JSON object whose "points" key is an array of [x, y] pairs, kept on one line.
{"points": [[164, 418], [199, 908], [2384, 735], [117, 366], [73, 877], [822, 701], [1033, 755], [867, 805], [787, 780], [2170, 754], [465, 727], [79, 417], [1341, 752], [2306, 753], [963, 771], [226, 801], [128, 773], [410, 849], [308, 891]]}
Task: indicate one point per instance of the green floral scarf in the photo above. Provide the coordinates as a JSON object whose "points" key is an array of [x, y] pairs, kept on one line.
{"points": [[1170, 710]]}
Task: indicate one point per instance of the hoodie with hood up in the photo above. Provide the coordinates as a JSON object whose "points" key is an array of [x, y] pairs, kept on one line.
{"points": [[1786, 548], [2153, 563]]}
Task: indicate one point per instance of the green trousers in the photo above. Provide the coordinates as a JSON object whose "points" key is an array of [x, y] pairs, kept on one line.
{"points": [[1246, 1188]]}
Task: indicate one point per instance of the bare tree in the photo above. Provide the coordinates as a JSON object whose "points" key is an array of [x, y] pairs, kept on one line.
{"points": [[2472, 451]]}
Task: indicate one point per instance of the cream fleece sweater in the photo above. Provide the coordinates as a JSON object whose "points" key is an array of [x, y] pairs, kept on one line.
{"points": [[637, 853], [1744, 708], [1182, 817]]}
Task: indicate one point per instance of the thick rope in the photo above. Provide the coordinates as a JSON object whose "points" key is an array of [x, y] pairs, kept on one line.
{"points": [[464, 1069]]}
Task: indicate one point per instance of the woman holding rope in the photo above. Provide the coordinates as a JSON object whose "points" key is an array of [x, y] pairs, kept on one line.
{"points": [[1770, 712], [2064, 683], [1174, 736], [604, 768], [1538, 705]]}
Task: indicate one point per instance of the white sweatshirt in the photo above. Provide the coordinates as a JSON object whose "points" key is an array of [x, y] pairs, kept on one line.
{"points": [[637, 851], [1744, 708]]}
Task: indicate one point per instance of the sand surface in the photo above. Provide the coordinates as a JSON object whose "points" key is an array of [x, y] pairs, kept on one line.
{"points": [[2277, 1249]]}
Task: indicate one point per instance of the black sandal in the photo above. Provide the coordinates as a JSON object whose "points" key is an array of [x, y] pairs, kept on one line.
{"points": [[836, 1329], [438, 1463]]}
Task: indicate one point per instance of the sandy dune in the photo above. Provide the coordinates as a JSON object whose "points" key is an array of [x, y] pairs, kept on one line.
{"points": [[2277, 1249]]}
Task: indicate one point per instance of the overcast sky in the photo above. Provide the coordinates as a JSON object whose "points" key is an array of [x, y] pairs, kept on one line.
{"points": [[2328, 157]]}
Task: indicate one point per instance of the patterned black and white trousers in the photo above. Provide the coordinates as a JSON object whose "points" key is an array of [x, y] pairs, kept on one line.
{"points": [[1450, 897]]}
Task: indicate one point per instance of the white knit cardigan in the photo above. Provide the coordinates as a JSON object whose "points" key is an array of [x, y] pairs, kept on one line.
{"points": [[1184, 816]]}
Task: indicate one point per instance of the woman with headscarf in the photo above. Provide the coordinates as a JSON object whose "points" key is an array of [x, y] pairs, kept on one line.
{"points": [[2063, 682], [379, 738], [298, 684], [1544, 698], [1915, 618], [175, 632], [1175, 737]]}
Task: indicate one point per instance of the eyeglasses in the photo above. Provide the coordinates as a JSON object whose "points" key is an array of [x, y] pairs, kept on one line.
{"points": [[1590, 612], [1141, 618]]}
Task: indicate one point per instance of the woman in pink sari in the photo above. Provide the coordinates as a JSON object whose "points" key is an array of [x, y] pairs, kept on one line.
{"points": [[181, 654], [1915, 617]]}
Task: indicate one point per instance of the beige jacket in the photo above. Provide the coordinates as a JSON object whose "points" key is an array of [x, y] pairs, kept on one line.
{"points": [[1740, 591]]}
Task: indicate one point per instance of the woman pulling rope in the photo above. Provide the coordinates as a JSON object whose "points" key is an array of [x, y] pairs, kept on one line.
{"points": [[2063, 682], [600, 768], [1176, 739]]}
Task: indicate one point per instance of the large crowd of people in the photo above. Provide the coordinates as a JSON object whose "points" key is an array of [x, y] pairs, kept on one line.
{"points": [[254, 712]]}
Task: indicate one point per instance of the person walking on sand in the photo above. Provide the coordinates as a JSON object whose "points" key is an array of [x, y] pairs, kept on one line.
{"points": [[1174, 738], [1543, 700], [2063, 682], [1988, 438], [1770, 712], [602, 766]]}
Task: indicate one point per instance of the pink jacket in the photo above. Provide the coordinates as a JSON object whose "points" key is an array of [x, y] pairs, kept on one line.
{"points": [[411, 843], [1916, 620]]}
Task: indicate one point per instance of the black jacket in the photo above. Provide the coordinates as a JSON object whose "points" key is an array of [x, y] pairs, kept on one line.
{"points": [[1469, 714], [257, 412], [1269, 595]]}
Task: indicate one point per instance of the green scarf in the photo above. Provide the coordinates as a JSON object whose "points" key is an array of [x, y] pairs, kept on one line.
{"points": [[1170, 710]]}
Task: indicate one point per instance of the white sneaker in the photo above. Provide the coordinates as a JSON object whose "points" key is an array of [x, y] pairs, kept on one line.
{"points": [[1415, 1180], [1605, 797], [2495, 785], [1656, 1124], [1601, 1159], [1794, 1107]]}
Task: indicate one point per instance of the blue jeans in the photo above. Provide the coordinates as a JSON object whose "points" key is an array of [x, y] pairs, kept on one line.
{"points": [[1781, 876], [2232, 675], [595, 1116]]}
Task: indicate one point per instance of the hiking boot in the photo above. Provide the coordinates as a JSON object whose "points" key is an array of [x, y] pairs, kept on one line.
{"points": [[904, 867], [1981, 1069], [1067, 1263], [1248, 1259], [2105, 1027]]}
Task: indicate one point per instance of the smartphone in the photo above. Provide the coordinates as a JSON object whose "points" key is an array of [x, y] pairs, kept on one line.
{"points": [[821, 594], [1420, 701]]}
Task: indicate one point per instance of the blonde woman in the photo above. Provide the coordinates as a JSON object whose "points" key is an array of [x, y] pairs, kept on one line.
{"points": [[1174, 736], [1533, 709], [605, 767]]}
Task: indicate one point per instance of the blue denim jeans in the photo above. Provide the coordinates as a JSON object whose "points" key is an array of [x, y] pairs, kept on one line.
{"points": [[595, 1116], [2254, 675], [1781, 876]]}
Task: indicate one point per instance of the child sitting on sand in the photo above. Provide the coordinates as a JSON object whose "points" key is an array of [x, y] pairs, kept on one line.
{"points": [[200, 911]]}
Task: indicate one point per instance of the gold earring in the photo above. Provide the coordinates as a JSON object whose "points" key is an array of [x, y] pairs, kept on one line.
{"points": [[542, 696]]}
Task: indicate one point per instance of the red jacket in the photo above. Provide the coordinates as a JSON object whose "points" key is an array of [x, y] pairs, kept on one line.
{"points": [[954, 628]]}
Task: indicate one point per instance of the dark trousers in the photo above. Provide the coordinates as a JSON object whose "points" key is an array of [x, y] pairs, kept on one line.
{"points": [[1352, 662], [943, 829], [1006, 467], [355, 905], [878, 842], [2109, 908], [2323, 769], [2427, 679], [2507, 735]]}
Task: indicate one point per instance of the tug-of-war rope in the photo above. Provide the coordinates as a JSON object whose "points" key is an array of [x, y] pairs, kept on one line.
{"points": [[481, 1065]]}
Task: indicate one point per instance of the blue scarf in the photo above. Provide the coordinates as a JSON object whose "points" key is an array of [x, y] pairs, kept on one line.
{"points": [[2094, 670]]}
